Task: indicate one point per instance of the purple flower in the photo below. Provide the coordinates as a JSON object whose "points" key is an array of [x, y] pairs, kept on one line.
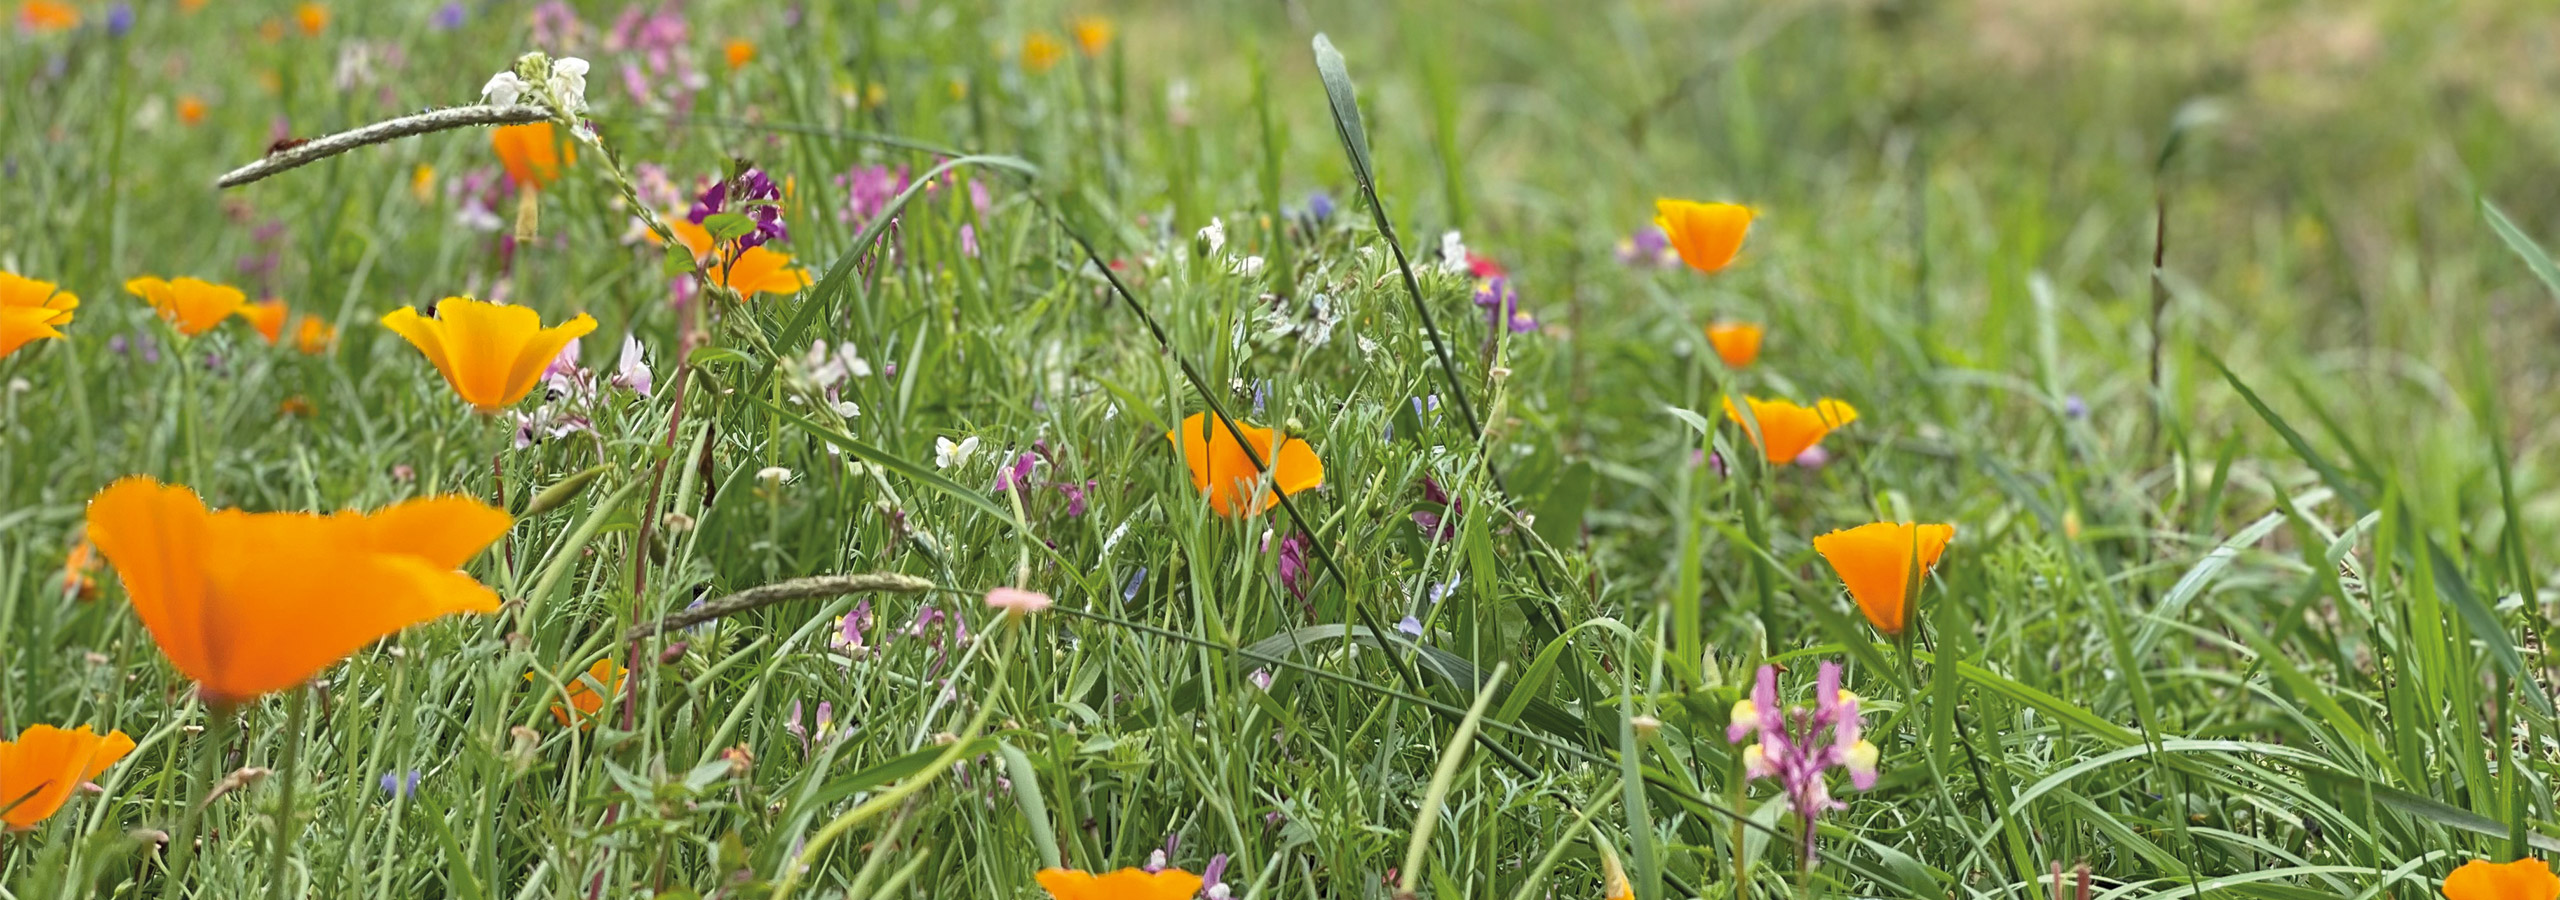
{"points": [[556, 26], [1260, 678], [753, 194], [968, 240], [1438, 526], [119, 20], [868, 190], [1136, 581], [448, 17], [1813, 457], [849, 628], [1215, 877], [1319, 205], [1647, 247], [1501, 305], [400, 784], [1293, 564], [631, 372], [1075, 494], [656, 47], [1411, 626], [1016, 475], [2074, 407], [1796, 746]]}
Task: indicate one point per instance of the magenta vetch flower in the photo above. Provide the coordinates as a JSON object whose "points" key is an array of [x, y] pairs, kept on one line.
{"points": [[1438, 526], [1501, 305], [1293, 564], [1798, 745], [1018, 474], [868, 190], [753, 194]]}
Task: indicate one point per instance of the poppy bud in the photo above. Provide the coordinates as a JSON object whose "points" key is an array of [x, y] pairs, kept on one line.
{"points": [[561, 492]]}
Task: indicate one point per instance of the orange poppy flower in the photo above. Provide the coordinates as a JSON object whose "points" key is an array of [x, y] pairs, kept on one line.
{"points": [[311, 17], [694, 237], [29, 310], [40, 769], [588, 692], [1126, 884], [738, 53], [1221, 469], [191, 110], [80, 572], [313, 336], [1875, 562], [1785, 430], [268, 317], [2524, 879], [492, 355], [1092, 33], [760, 270], [250, 603], [41, 16], [194, 306], [1706, 234], [530, 153], [1041, 51], [1737, 343]]}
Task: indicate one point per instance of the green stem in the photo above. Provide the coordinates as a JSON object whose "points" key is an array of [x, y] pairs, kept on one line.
{"points": [[208, 765], [286, 829]]}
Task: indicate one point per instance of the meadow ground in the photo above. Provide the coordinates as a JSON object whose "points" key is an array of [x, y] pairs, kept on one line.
{"points": [[847, 553]]}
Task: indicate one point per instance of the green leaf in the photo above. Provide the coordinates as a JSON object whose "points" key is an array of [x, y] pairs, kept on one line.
{"points": [[1346, 107], [729, 226], [2524, 246], [1035, 807], [1560, 514]]}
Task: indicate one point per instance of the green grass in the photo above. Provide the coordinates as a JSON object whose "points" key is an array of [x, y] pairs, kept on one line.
{"points": [[2275, 627]]}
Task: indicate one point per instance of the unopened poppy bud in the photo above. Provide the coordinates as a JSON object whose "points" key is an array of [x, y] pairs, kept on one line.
{"points": [[561, 492]]}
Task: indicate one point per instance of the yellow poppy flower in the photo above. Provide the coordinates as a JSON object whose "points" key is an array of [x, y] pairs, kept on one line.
{"points": [[1092, 34], [40, 769], [1221, 469], [1875, 562], [1126, 884], [30, 310], [194, 306], [251, 603], [1737, 343], [1041, 51], [1706, 234], [492, 355], [1785, 430]]}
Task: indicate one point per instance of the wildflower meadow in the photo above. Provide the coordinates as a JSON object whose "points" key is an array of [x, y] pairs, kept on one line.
{"points": [[1625, 450]]}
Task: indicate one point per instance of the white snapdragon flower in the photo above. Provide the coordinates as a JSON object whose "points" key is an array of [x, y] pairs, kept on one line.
{"points": [[569, 84], [1453, 253], [1214, 237], [1248, 267], [504, 89]]}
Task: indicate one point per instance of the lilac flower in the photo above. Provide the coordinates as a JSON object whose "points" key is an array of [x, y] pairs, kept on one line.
{"points": [[1136, 581], [401, 784], [556, 26], [1215, 877], [563, 378], [1260, 678], [656, 46], [1319, 206], [1501, 305], [868, 190], [1813, 457], [756, 196], [631, 372], [1795, 749], [1016, 475], [1293, 564], [119, 20], [791, 726], [547, 422], [2074, 407], [1438, 526], [968, 240], [1647, 247], [1075, 494], [849, 628], [449, 16], [1411, 626]]}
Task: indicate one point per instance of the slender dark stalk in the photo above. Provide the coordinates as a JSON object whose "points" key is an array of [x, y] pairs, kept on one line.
{"points": [[286, 828]]}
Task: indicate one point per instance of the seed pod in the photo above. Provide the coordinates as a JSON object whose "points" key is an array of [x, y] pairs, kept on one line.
{"points": [[561, 492]]}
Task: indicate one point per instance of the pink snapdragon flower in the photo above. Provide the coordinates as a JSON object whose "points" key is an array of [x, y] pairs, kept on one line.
{"points": [[1796, 746]]}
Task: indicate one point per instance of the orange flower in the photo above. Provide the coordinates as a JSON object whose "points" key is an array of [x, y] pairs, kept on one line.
{"points": [[46, 15], [1041, 51], [422, 183], [1221, 469], [1126, 884], [1737, 343], [297, 406], [1706, 234], [760, 270], [29, 310], [79, 574], [530, 153], [1875, 562], [492, 355], [250, 603], [192, 305], [311, 17], [588, 692], [313, 336], [739, 52], [2524, 879], [1785, 430], [268, 317], [45, 764], [190, 110], [694, 237], [1092, 33]]}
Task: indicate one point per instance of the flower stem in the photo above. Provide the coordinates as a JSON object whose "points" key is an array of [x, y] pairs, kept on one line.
{"points": [[208, 765], [289, 772]]}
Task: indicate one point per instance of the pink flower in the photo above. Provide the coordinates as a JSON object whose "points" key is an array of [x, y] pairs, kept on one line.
{"points": [[1017, 602], [1795, 749]]}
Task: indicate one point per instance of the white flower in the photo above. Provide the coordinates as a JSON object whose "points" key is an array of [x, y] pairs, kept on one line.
{"points": [[846, 409], [947, 454], [1214, 236], [1248, 267], [504, 89], [773, 475], [569, 84], [632, 372], [1453, 253]]}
